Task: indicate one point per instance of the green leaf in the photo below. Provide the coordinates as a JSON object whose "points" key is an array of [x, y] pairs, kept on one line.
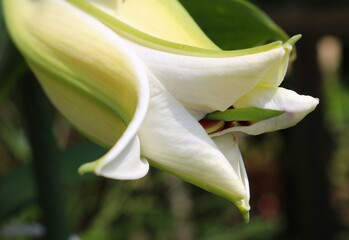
{"points": [[234, 24], [244, 114]]}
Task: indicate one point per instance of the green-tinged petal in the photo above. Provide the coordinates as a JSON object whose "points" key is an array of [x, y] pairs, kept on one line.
{"points": [[295, 108], [276, 74], [229, 147], [165, 19], [88, 72], [174, 141]]}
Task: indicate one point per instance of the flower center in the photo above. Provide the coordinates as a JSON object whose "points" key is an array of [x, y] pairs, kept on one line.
{"points": [[234, 117], [213, 126]]}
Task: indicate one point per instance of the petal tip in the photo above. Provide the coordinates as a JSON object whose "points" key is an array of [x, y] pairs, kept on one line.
{"points": [[133, 171], [244, 209], [88, 167], [311, 104], [246, 216], [292, 41]]}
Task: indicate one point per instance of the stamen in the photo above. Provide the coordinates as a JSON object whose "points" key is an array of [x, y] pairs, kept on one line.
{"points": [[212, 126]]}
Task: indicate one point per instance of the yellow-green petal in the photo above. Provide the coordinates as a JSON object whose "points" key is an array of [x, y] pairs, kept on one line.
{"points": [[87, 71], [145, 39], [165, 19]]}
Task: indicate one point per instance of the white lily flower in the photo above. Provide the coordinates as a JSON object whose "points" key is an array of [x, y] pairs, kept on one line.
{"points": [[102, 62]]}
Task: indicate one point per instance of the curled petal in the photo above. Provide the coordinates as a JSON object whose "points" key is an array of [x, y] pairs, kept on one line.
{"points": [[295, 108], [90, 75], [121, 162], [174, 141]]}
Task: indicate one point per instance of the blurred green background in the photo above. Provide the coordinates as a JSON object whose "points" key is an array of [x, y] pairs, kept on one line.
{"points": [[299, 177]]}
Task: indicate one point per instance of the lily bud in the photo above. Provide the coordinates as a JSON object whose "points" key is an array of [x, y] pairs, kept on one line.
{"points": [[138, 76]]}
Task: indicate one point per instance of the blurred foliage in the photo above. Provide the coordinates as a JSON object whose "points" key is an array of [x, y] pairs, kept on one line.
{"points": [[331, 55], [158, 206], [234, 24]]}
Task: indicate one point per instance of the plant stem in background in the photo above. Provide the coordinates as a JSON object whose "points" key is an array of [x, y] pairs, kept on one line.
{"points": [[46, 167]]}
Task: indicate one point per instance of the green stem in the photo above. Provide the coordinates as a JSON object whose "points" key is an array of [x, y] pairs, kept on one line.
{"points": [[46, 166]]}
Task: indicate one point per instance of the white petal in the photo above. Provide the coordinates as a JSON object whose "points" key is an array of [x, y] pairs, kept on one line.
{"points": [[229, 147], [174, 141], [296, 107], [206, 84], [123, 162]]}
